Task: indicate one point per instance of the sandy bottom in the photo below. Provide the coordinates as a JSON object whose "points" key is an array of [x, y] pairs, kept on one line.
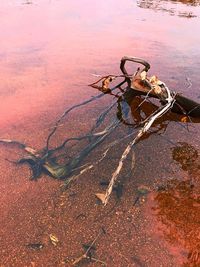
{"points": [[49, 51], [154, 223]]}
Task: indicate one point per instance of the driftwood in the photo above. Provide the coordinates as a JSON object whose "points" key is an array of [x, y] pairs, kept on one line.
{"points": [[141, 86], [132, 87]]}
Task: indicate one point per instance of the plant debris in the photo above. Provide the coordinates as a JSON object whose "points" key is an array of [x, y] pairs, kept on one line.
{"points": [[89, 251], [142, 191], [132, 87], [54, 240], [35, 246]]}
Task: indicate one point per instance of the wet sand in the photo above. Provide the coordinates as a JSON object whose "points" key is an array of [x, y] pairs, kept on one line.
{"points": [[48, 52]]}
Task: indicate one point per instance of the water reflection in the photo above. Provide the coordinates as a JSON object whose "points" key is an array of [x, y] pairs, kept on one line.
{"points": [[178, 206], [181, 8], [141, 110]]}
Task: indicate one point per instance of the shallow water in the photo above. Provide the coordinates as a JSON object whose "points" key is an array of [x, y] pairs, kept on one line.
{"points": [[49, 51]]}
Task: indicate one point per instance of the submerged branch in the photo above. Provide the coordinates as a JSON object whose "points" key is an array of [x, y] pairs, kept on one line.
{"points": [[142, 131], [138, 85]]}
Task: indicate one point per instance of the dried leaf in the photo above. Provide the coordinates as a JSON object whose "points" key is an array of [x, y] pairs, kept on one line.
{"points": [[54, 239], [184, 119], [154, 80], [157, 89], [106, 83], [143, 75], [140, 82], [101, 197]]}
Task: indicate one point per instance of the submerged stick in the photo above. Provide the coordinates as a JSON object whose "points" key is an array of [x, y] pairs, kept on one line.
{"points": [[147, 125], [26, 148]]}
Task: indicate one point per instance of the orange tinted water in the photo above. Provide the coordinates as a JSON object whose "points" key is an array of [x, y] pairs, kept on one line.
{"points": [[49, 49]]}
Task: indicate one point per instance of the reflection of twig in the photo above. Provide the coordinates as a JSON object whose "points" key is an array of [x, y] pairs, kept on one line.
{"points": [[197, 106], [87, 254], [145, 99]]}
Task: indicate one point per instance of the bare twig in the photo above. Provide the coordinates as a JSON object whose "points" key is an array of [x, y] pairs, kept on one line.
{"points": [[87, 252]]}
